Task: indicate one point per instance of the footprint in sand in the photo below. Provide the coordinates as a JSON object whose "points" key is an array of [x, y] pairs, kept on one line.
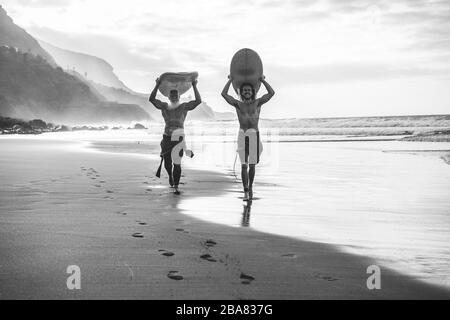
{"points": [[325, 277], [102, 181], [208, 257], [174, 275], [166, 253], [141, 223], [181, 230], [246, 279], [210, 243], [109, 191], [289, 255], [122, 213], [137, 235], [98, 186]]}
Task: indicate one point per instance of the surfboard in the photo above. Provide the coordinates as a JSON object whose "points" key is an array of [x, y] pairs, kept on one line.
{"points": [[180, 81], [246, 67]]}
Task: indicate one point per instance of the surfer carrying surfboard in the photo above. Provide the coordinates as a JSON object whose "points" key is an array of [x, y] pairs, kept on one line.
{"points": [[248, 109], [174, 114]]}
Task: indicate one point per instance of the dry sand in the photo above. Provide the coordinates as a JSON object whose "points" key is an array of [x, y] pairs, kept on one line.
{"points": [[62, 205]]}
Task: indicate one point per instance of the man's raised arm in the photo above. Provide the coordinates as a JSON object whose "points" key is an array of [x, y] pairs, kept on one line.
{"points": [[191, 105], [269, 94], [225, 94], [157, 103]]}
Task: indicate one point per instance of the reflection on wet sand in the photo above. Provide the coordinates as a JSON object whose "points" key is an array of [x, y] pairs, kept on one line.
{"points": [[246, 214]]}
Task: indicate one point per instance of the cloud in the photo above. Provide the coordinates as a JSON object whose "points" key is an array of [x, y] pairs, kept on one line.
{"points": [[43, 3], [425, 25], [309, 43], [351, 72]]}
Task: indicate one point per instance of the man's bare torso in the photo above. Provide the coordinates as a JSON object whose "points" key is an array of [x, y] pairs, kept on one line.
{"points": [[173, 117], [248, 114]]}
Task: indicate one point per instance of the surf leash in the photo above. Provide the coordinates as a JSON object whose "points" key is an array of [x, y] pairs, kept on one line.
{"points": [[234, 167]]}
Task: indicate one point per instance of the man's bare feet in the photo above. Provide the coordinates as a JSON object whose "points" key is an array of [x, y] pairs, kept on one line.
{"points": [[176, 191]]}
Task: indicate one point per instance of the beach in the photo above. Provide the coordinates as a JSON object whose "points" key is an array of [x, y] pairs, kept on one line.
{"points": [[64, 202], [349, 198]]}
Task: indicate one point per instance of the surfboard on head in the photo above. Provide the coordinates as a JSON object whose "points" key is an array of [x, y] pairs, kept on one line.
{"points": [[246, 67], [180, 81]]}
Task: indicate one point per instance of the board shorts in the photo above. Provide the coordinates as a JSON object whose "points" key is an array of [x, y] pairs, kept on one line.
{"points": [[167, 146], [249, 146]]}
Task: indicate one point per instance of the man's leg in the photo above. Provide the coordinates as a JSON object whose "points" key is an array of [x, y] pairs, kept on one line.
{"points": [[251, 173], [244, 177], [176, 176], [168, 166]]}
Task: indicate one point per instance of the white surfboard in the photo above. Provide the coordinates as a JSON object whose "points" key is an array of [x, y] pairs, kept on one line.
{"points": [[180, 81]]}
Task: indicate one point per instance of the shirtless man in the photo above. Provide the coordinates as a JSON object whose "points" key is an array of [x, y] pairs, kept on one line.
{"points": [[174, 114], [249, 144]]}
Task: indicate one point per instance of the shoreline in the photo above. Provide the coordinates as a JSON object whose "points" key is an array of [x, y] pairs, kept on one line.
{"points": [[54, 214]]}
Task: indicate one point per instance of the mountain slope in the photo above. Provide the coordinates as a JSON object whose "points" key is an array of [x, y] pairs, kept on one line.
{"points": [[31, 88], [14, 36], [100, 77], [202, 112], [93, 68], [87, 83]]}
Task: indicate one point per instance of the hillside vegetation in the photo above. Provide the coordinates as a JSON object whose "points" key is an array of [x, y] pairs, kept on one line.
{"points": [[31, 88]]}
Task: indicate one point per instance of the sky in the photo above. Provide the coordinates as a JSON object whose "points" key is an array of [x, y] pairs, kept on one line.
{"points": [[324, 58]]}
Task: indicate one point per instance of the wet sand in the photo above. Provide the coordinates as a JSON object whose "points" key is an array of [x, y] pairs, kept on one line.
{"points": [[61, 205], [385, 200]]}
